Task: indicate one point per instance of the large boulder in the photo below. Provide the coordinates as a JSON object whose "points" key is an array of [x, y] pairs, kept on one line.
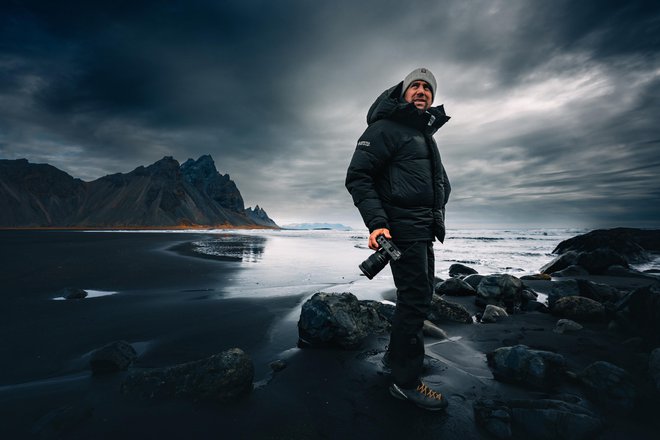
{"points": [[221, 377], [341, 320], [501, 290], [454, 287], [609, 385], [599, 260], [631, 243], [442, 311], [524, 366], [571, 271], [598, 292], [542, 419], [560, 263], [561, 289], [457, 269], [579, 308], [474, 280], [113, 357]]}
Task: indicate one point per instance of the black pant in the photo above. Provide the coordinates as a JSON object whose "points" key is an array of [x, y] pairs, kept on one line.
{"points": [[414, 277]]}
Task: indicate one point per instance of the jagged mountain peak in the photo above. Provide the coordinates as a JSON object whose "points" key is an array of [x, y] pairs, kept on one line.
{"points": [[202, 168], [161, 194]]}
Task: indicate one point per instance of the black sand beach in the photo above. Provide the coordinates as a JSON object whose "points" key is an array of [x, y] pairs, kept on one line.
{"points": [[171, 308]]}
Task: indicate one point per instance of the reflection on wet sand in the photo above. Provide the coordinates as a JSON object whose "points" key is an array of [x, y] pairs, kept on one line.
{"points": [[225, 247]]}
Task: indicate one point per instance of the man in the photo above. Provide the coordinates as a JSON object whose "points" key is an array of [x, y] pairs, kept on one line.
{"points": [[400, 187]]}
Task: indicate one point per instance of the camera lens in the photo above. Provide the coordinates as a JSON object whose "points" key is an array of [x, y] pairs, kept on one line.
{"points": [[374, 264]]}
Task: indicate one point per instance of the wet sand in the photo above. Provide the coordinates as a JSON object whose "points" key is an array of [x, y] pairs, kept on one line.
{"points": [[171, 307]]}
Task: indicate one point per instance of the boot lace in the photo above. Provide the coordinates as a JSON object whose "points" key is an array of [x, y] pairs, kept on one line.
{"points": [[428, 392]]}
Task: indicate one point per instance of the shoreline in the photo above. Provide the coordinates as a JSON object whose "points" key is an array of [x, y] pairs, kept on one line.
{"points": [[173, 307], [137, 228]]}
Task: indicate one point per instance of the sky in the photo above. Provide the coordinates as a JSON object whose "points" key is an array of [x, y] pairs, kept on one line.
{"points": [[554, 105]]}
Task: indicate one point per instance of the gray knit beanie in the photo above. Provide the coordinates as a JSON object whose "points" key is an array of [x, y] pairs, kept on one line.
{"points": [[422, 73]]}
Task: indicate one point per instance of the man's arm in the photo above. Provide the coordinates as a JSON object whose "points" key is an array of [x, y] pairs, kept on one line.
{"points": [[370, 156]]}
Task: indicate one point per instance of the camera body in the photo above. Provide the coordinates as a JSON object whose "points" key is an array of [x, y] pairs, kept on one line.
{"points": [[379, 259]]}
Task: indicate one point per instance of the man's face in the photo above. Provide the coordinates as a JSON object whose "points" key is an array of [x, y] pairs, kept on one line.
{"points": [[419, 93]]}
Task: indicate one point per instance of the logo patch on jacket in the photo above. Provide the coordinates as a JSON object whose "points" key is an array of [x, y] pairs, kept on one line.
{"points": [[364, 144]]}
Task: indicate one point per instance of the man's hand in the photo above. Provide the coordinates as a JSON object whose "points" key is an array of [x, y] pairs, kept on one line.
{"points": [[373, 244]]}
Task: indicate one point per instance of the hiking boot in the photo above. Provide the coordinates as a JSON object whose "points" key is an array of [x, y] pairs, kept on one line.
{"points": [[422, 396]]}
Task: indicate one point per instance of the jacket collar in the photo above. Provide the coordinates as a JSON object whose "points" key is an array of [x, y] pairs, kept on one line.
{"points": [[390, 106]]}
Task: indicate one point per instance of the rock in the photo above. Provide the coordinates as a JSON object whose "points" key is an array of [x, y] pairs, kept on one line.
{"points": [[643, 310], [473, 280], [654, 368], [598, 292], [559, 263], [502, 290], [534, 306], [536, 277], [566, 325], [599, 260], [454, 287], [631, 243], [385, 314], [540, 419], [493, 313], [221, 377], [433, 331], [340, 320], [609, 385], [277, 365], [561, 289], [73, 293], [570, 271], [458, 269], [494, 416], [580, 308], [113, 357], [521, 365], [528, 295], [620, 271], [442, 311]]}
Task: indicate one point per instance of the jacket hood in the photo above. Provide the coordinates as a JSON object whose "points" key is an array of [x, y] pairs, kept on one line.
{"points": [[389, 106]]}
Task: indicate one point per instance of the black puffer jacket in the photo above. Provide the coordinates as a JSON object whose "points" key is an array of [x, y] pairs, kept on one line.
{"points": [[396, 177]]}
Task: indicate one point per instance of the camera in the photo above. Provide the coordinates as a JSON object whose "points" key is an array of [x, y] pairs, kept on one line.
{"points": [[379, 259]]}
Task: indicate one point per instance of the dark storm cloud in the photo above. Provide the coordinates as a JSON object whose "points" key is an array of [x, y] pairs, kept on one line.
{"points": [[554, 104]]}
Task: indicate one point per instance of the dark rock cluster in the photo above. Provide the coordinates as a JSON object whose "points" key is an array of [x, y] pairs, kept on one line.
{"points": [[603, 251], [522, 365], [222, 377], [341, 320]]}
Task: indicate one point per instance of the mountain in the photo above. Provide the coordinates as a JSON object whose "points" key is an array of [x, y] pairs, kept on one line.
{"points": [[163, 194]]}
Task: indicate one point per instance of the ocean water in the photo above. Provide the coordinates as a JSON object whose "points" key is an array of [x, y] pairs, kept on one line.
{"points": [[289, 262], [292, 262]]}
